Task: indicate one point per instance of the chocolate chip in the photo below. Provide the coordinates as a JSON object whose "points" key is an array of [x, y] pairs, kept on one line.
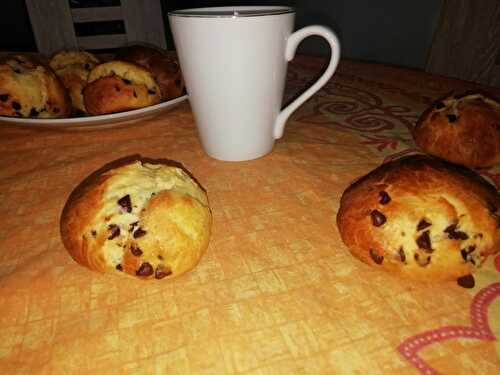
{"points": [[93, 233], [378, 218], [452, 118], [119, 267], [16, 106], [151, 92], [424, 242], [454, 234], [422, 224], [115, 231], [422, 262], [384, 197], [375, 257], [466, 281], [402, 254], [17, 71], [125, 203], [439, 105], [86, 66], [4, 97], [465, 252], [132, 225], [135, 250], [126, 81], [145, 269], [162, 272], [135, 94], [33, 112], [117, 88], [139, 233]]}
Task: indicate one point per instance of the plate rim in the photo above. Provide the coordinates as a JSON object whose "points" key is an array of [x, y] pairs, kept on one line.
{"points": [[58, 123]]}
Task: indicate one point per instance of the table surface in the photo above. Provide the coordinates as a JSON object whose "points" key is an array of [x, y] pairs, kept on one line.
{"points": [[277, 291]]}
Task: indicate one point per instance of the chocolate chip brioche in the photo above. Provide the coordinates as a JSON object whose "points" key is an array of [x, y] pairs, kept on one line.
{"points": [[150, 221], [118, 86], [164, 68], [462, 129], [30, 89], [73, 68], [421, 218]]}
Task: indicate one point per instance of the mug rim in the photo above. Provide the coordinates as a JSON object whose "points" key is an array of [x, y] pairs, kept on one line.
{"points": [[232, 11]]}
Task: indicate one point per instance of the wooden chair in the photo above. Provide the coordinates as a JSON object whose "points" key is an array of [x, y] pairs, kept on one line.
{"points": [[466, 42], [54, 22]]}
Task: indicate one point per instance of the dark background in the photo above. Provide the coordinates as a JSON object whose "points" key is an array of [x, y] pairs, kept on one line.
{"points": [[388, 31]]}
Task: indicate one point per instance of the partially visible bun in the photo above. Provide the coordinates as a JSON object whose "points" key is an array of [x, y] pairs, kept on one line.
{"points": [[118, 86], [144, 220], [64, 59], [138, 54], [421, 218], [31, 89], [165, 68], [462, 129], [73, 67]]}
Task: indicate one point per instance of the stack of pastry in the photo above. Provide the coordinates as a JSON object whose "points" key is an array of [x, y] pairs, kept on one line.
{"points": [[76, 83]]}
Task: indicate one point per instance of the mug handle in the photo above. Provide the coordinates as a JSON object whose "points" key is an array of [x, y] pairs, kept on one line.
{"points": [[291, 46]]}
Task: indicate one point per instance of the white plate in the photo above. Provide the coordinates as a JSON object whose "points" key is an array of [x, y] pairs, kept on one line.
{"points": [[112, 120]]}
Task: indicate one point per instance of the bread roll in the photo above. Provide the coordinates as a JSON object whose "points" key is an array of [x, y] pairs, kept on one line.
{"points": [[164, 68], [73, 68], [149, 221], [462, 129], [31, 89], [421, 218], [118, 86]]}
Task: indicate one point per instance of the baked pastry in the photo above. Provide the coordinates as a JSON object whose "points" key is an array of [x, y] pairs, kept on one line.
{"points": [[164, 68], [30, 89], [461, 129], [144, 220], [118, 86], [64, 59], [421, 218], [73, 67]]}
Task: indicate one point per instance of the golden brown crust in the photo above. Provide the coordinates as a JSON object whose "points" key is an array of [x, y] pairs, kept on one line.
{"points": [[77, 215], [421, 218], [30, 89], [119, 86], [145, 220], [463, 130]]}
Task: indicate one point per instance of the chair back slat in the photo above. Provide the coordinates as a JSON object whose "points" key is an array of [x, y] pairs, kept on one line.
{"points": [[53, 24]]}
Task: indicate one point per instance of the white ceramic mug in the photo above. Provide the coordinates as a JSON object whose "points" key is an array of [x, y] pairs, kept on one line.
{"points": [[234, 62]]}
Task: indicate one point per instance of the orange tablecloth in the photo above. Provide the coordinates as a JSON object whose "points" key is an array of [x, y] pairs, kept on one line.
{"points": [[277, 291]]}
